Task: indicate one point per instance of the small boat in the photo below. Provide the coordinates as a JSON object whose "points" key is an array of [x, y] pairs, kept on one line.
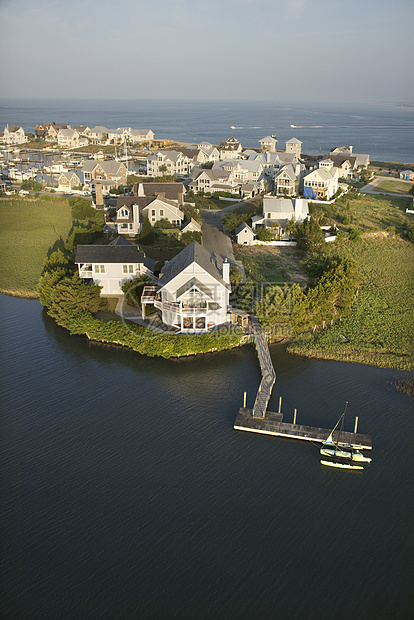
{"points": [[341, 463], [337, 454]]}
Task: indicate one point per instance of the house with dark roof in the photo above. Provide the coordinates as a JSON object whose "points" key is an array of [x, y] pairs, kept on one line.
{"points": [[110, 266], [172, 191], [193, 291]]}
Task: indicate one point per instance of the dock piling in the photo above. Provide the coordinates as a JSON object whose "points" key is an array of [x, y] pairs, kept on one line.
{"points": [[294, 416], [244, 401]]}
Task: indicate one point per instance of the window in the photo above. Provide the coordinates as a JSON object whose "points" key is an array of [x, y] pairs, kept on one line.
{"points": [[152, 211], [127, 268], [161, 212], [99, 268]]}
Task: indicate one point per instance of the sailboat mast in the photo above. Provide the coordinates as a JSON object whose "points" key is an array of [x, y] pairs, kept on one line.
{"points": [[340, 428]]}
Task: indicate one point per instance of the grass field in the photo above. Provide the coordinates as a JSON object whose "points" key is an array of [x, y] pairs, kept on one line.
{"points": [[370, 211], [271, 264], [29, 228], [379, 329], [394, 186]]}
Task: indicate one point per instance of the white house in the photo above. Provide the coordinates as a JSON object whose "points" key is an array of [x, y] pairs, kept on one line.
{"points": [[109, 266], [97, 134], [68, 138], [361, 159], [294, 146], [288, 179], [268, 144], [230, 149], [193, 291], [213, 181], [132, 210], [169, 163], [245, 171], [280, 210], [14, 135], [322, 182], [244, 234], [191, 225]]}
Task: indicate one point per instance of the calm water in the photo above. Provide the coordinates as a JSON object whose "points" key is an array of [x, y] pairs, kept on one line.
{"points": [[385, 132], [127, 494]]}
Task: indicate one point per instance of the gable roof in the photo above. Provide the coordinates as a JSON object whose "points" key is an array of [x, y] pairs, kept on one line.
{"points": [[108, 254], [242, 227], [193, 253]]}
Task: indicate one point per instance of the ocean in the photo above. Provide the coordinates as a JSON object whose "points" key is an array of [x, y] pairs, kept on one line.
{"points": [[384, 131]]}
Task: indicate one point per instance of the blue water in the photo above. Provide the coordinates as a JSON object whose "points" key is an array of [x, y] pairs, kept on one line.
{"points": [[127, 494], [385, 132]]}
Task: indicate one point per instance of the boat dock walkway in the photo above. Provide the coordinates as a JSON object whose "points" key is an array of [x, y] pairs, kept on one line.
{"points": [[259, 420], [268, 372]]}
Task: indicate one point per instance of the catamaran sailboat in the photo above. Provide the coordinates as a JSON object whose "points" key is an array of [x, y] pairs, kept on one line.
{"points": [[337, 454]]}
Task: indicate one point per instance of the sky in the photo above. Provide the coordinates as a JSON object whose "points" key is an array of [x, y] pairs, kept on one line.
{"points": [[276, 50]]}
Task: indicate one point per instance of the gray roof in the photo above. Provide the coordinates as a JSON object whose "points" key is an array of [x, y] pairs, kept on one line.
{"points": [[193, 253], [108, 254], [242, 227], [293, 141], [121, 241], [109, 166]]}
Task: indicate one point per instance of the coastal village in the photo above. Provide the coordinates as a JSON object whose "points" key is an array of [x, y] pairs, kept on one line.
{"points": [[204, 203]]}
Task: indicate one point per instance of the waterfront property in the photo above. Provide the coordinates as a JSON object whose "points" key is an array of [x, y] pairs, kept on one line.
{"points": [[193, 291], [110, 266], [132, 210]]}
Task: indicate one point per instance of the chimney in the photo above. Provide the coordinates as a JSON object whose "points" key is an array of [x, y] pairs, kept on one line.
{"points": [[140, 190], [350, 149], [98, 195], [226, 271]]}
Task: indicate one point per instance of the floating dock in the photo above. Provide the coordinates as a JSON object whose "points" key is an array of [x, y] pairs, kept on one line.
{"points": [[259, 420], [272, 424]]}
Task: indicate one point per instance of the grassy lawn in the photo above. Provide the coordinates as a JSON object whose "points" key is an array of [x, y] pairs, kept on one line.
{"points": [[271, 264], [29, 228], [369, 211], [394, 186], [379, 329]]}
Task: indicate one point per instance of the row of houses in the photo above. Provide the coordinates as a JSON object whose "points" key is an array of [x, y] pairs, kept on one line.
{"points": [[66, 136], [80, 135]]}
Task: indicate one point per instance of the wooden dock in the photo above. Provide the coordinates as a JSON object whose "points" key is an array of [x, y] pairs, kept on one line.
{"points": [[272, 424], [259, 420], [268, 372]]}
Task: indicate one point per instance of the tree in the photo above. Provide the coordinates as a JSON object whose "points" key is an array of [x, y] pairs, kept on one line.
{"points": [[190, 236], [265, 234], [236, 275], [163, 169], [310, 236], [147, 236], [57, 260], [82, 209], [71, 296]]}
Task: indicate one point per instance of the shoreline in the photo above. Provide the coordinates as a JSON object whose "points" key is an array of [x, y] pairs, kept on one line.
{"points": [[365, 358]]}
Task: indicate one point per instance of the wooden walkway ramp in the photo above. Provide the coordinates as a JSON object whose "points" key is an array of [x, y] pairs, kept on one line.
{"points": [[268, 372], [259, 420]]}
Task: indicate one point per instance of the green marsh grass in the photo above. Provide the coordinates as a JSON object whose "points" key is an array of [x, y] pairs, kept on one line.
{"points": [[379, 330], [29, 228]]}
